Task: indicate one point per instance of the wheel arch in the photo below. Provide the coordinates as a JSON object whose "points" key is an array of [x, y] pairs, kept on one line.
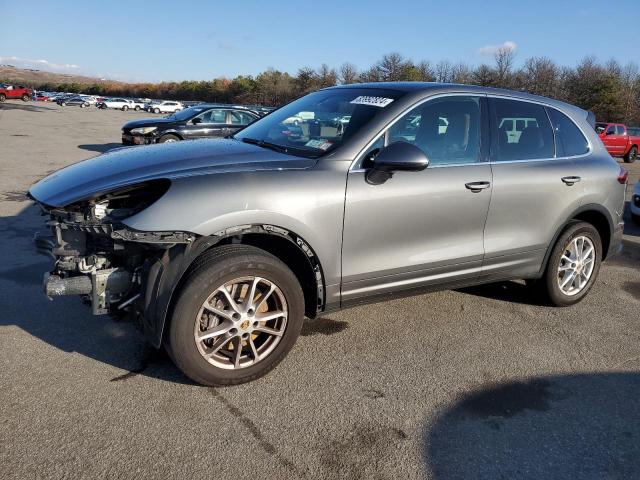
{"points": [[166, 274], [594, 214]]}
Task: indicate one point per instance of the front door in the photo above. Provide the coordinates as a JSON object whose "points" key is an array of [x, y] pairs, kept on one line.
{"points": [[420, 228], [210, 123]]}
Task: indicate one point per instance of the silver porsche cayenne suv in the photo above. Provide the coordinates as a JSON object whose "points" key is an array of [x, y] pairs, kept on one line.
{"points": [[352, 194]]}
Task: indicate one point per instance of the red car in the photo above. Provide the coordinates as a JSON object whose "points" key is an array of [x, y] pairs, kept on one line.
{"points": [[9, 91], [41, 97], [618, 141]]}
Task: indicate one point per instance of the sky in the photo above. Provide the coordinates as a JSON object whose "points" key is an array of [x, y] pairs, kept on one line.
{"points": [[198, 40]]}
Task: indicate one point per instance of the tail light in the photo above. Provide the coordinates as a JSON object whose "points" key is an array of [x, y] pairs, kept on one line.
{"points": [[623, 176]]}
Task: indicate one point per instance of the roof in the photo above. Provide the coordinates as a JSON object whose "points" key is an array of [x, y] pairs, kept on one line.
{"points": [[434, 87]]}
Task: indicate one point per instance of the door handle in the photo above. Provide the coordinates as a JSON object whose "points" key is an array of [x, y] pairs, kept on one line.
{"points": [[570, 180], [476, 187]]}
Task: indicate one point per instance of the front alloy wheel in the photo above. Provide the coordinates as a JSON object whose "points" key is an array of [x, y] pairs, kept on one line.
{"points": [[238, 314], [241, 322]]}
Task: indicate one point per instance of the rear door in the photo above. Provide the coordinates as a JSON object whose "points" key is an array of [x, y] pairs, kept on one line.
{"points": [[535, 188], [238, 119]]}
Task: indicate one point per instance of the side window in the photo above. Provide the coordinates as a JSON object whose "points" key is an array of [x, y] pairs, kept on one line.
{"points": [[217, 116], [611, 130], [240, 118], [533, 141], [620, 130], [569, 139], [447, 129]]}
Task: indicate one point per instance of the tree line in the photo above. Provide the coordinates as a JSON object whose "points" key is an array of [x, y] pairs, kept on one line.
{"points": [[610, 90]]}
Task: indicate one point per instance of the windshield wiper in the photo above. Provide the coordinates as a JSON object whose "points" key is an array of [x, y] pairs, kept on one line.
{"points": [[269, 145]]}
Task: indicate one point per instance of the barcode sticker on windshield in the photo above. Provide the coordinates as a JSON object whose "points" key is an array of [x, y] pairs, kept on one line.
{"points": [[321, 144], [373, 101]]}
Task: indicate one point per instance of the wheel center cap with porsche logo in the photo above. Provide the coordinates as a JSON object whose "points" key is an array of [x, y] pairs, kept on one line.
{"points": [[244, 325]]}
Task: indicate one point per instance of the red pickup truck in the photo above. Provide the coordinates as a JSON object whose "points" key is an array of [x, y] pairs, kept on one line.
{"points": [[618, 141], [9, 91]]}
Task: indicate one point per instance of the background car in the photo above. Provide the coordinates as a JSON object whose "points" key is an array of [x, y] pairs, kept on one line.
{"points": [[117, 103], [618, 141], [74, 101], [201, 121], [10, 91], [167, 106], [138, 104]]}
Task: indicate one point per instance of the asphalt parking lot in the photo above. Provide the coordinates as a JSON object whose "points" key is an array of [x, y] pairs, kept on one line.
{"points": [[477, 383]]}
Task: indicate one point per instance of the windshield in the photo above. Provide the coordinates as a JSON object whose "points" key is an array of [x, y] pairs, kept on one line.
{"points": [[187, 113], [319, 122], [600, 127]]}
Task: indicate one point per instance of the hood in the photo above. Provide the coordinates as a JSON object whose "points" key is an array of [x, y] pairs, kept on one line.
{"points": [[130, 165], [148, 122]]}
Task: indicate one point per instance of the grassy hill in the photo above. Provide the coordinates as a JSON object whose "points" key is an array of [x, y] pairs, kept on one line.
{"points": [[29, 77]]}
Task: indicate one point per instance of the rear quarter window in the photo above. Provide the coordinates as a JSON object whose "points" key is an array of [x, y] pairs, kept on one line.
{"points": [[569, 139]]}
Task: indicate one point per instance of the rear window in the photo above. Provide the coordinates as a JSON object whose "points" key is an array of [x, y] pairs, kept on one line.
{"points": [[530, 137], [569, 139]]}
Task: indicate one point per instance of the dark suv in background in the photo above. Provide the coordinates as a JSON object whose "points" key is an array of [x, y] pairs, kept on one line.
{"points": [[200, 121]]}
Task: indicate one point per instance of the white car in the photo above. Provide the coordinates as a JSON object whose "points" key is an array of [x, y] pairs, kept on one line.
{"points": [[138, 104], [166, 107], [119, 103], [635, 204]]}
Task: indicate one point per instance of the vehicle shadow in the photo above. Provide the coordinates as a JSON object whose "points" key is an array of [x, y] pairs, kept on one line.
{"points": [[26, 106], [583, 426], [66, 323], [101, 147], [509, 291]]}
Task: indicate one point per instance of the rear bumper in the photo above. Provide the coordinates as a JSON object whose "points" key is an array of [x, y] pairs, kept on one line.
{"points": [[615, 246]]}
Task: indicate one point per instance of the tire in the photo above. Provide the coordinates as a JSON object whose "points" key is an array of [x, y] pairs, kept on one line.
{"points": [[631, 155], [26, 98], [3, 97], [82, 105], [213, 271], [137, 108], [548, 287], [63, 104], [156, 110], [125, 108], [168, 138]]}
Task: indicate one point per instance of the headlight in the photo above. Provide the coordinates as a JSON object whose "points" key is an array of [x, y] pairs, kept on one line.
{"points": [[143, 130]]}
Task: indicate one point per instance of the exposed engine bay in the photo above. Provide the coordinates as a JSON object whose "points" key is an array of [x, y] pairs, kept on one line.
{"points": [[98, 257]]}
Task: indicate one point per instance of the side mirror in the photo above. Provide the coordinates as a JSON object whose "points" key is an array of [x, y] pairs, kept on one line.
{"points": [[397, 157], [196, 121]]}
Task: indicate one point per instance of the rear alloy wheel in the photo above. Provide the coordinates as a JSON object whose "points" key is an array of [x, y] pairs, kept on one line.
{"points": [[238, 315], [125, 108], [137, 108], [573, 265], [631, 155], [26, 98], [156, 110]]}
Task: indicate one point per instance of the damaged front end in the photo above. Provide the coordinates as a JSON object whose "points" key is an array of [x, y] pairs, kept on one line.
{"points": [[95, 255]]}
